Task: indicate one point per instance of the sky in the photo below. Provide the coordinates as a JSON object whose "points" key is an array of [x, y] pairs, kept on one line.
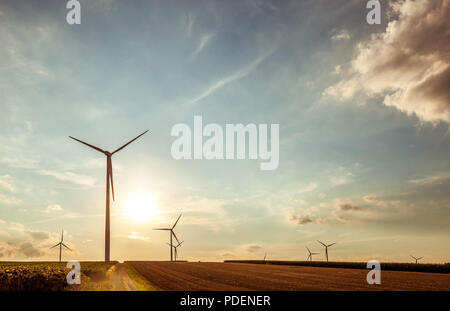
{"points": [[363, 112]]}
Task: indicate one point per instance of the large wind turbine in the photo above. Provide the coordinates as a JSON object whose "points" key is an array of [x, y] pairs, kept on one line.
{"points": [[172, 233], [326, 248], [416, 259], [175, 248], [109, 179], [61, 244], [310, 254]]}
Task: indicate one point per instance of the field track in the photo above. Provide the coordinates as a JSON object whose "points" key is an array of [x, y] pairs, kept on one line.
{"points": [[238, 276]]}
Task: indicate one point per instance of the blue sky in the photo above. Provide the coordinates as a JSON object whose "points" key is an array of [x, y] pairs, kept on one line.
{"points": [[363, 113]]}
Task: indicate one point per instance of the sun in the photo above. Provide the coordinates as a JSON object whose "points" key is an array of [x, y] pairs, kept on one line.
{"points": [[140, 206]]}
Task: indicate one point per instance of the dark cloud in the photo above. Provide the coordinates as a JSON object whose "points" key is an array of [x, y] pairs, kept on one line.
{"points": [[349, 207], [29, 250], [301, 219], [253, 248]]}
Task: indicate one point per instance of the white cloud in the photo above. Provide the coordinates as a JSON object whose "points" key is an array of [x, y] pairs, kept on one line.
{"points": [[4, 184], [52, 208], [137, 236], [343, 34], [69, 176], [190, 20], [236, 76], [203, 42], [427, 180], [408, 64], [338, 181], [337, 69], [8, 201], [309, 188]]}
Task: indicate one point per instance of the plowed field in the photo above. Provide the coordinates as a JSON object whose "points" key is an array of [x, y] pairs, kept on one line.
{"points": [[237, 276]]}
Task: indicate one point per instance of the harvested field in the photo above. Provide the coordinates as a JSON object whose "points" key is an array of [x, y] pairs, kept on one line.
{"points": [[240, 276]]}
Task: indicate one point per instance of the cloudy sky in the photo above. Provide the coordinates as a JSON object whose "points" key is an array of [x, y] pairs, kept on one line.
{"points": [[364, 113]]}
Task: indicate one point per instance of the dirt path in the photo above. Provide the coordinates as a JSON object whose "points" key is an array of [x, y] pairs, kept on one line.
{"points": [[120, 279], [237, 276]]}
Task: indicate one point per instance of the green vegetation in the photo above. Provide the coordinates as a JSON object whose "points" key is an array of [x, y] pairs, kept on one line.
{"points": [[412, 267], [49, 276]]}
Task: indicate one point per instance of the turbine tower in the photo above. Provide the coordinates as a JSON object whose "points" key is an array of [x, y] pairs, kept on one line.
{"points": [[416, 259], [310, 254], [326, 248], [61, 244], [172, 233], [175, 248], [109, 184]]}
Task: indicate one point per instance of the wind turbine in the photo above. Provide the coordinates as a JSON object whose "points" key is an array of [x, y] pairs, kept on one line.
{"points": [[265, 255], [61, 244], [175, 248], [416, 259], [326, 248], [310, 254], [172, 233], [109, 179]]}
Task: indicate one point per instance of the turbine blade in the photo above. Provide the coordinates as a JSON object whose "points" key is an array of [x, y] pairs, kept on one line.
{"points": [[179, 244], [54, 246], [175, 236], [66, 246], [62, 235], [419, 258], [176, 221], [110, 176], [117, 150], [321, 243], [330, 244], [308, 249], [93, 147]]}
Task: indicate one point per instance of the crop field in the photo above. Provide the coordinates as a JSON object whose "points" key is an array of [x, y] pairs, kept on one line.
{"points": [[244, 276], [48, 276], [394, 266]]}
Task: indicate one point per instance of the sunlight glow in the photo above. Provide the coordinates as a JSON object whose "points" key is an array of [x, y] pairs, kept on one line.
{"points": [[141, 206]]}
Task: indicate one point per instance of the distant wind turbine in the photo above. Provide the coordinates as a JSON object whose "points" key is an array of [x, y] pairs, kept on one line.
{"points": [[61, 244], [109, 178], [172, 233], [310, 254], [265, 255], [416, 259], [175, 247], [326, 248]]}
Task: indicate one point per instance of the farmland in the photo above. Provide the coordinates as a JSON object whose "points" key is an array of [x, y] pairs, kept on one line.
{"points": [[245, 276], [192, 276], [393, 266]]}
